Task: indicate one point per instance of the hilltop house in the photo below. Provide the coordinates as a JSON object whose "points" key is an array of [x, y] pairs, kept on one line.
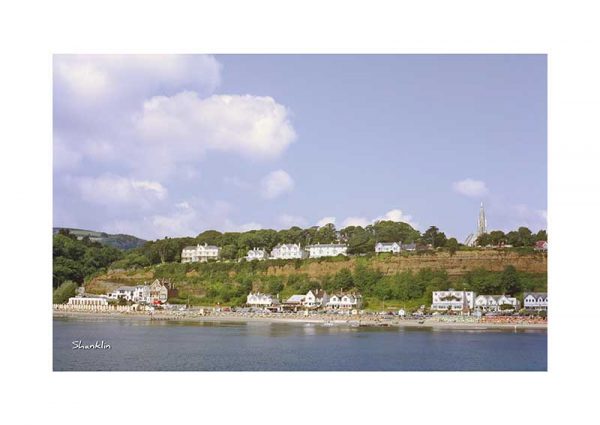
{"points": [[541, 246], [261, 300], [287, 251], [494, 303], [394, 247], [256, 254], [345, 301], [326, 250], [453, 300], [535, 301], [193, 254]]}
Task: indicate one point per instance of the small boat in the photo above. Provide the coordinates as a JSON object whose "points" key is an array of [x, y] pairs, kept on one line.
{"points": [[420, 322]]}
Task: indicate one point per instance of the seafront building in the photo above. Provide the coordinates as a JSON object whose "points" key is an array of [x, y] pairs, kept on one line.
{"points": [[462, 301], [393, 247], [80, 301], [535, 301], [344, 301], [287, 252], [494, 303], [200, 253], [326, 250], [261, 300], [256, 254]]}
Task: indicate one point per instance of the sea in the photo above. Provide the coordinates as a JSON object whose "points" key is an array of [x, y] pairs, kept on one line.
{"points": [[136, 345]]}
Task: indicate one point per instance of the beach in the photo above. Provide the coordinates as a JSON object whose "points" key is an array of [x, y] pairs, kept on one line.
{"points": [[445, 322]]}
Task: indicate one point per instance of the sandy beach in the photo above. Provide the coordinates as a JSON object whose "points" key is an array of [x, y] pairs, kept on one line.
{"points": [[457, 323]]}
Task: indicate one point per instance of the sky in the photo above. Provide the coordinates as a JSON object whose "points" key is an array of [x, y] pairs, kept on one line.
{"points": [[173, 145]]}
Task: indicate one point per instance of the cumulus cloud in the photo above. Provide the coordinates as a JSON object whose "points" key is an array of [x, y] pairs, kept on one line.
{"points": [[113, 190], [355, 221], [325, 220], [98, 79], [398, 216], [470, 187], [185, 218], [251, 126], [288, 220], [275, 184]]}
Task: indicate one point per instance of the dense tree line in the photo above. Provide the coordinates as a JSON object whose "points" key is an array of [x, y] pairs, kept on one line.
{"points": [[522, 237], [75, 259]]}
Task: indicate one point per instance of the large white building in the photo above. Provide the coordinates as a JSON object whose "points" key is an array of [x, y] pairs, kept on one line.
{"points": [[394, 247], [453, 300], [494, 303], [261, 300], [535, 301], [315, 299], [326, 250], [256, 254], [193, 254], [88, 301], [287, 251]]}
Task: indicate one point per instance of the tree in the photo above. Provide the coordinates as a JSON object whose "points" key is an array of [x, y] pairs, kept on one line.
{"points": [[66, 290], [497, 237], [434, 237], [509, 280], [541, 236], [452, 245], [484, 239], [343, 280]]}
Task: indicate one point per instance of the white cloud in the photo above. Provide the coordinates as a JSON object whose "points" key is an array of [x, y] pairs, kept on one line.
{"points": [[355, 221], [252, 126], [287, 220], [325, 220], [186, 218], [275, 184], [112, 190], [470, 187], [99, 79], [397, 216]]}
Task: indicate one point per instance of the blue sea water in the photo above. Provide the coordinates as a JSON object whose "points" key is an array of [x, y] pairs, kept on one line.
{"points": [[257, 346]]}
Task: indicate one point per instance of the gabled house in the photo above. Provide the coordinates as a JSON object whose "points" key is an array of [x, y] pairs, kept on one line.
{"points": [[287, 251], [256, 254], [159, 293], [457, 301], [315, 299], [541, 246], [394, 247], [495, 302], [535, 301], [345, 301], [261, 300]]}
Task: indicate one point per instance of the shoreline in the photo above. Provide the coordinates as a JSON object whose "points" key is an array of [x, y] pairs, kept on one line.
{"points": [[323, 320]]}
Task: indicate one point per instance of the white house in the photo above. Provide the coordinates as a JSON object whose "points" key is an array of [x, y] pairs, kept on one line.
{"points": [[256, 254], [345, 301], [287, 251], [453, 300], [535, 301], [315, 299], [261, 300], [326, 250], [494, 302], [126, 293], [394, 247], [193, 254], [158, 293]]}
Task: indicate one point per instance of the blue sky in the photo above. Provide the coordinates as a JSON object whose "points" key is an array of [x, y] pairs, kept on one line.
{"points": [[174, 145]]}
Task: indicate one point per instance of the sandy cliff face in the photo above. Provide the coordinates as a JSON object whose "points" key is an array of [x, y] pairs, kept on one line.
{"points": [[458, 264]]}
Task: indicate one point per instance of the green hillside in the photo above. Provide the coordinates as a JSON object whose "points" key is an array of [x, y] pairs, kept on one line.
{"points": [[119, 241]]}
